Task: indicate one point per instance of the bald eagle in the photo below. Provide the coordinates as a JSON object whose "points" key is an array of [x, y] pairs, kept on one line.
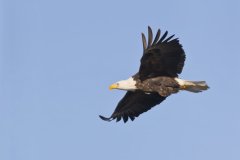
{"points": [[163, 59]]}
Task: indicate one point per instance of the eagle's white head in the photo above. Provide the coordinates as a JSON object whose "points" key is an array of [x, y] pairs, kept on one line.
{"points": [[129, 84]]}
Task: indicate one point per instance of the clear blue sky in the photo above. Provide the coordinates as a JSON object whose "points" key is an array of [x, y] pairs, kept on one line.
{"points": [[57, 59]]}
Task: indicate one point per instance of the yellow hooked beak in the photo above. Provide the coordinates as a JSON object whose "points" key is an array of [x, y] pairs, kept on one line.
{"points": [[113, 86]]}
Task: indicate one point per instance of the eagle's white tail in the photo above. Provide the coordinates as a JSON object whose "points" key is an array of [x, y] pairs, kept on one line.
{"points": [[192, 86]]}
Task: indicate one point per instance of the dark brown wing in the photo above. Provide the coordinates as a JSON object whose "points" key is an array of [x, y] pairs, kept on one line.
{"points": [[133, 104], [162, 57]]}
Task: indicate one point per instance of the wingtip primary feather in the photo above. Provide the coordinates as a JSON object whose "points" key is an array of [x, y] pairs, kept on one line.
{"points": [[105, 118], [144, 42], [157, 36], [163, 37], [169, 38], [150, 36]]}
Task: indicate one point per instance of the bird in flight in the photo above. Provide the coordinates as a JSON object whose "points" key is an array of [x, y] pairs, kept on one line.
{"points": [[161, 63]]}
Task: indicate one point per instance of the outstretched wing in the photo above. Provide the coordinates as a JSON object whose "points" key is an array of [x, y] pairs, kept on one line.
{"points": [[133, 104], [162, 57]]}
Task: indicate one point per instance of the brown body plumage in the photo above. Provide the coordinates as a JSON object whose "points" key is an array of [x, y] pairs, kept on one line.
{"points": [[164, 86]]}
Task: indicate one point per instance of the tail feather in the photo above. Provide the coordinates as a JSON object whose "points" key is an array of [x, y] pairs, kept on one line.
{"points": [[192, 86], [195, 86]]}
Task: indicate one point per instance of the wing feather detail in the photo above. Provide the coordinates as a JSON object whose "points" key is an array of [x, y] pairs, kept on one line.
{"points": [[133, 104], [163, 57]]}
